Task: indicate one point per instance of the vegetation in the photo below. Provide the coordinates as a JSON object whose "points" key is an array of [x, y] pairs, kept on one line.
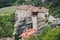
{"points": [[54, 7], [4, 3], [47, 34], [6, 22], [7, 18], [6, 26]]}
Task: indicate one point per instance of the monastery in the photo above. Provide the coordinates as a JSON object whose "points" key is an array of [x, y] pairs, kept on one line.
{"points": [[29, 17]]}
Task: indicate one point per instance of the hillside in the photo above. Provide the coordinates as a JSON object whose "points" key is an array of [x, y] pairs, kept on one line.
{"points": [[54, 7], [7, 21], [7, 10]]}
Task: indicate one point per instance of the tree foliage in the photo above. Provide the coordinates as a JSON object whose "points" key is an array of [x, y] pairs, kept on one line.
{"points": [[47, 34], [4, 3], [54, 7], [6, 26]]}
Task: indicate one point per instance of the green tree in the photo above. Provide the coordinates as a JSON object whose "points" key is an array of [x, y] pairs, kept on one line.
{"points": [[6, 25], [47, 34], [4, 3], [54, 7]]}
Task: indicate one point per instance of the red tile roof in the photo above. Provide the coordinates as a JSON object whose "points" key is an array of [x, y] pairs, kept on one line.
{"points": [[28, 33], [33, 8], [24, 7]]}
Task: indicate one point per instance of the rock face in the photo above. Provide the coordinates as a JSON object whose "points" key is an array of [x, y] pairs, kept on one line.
{"points": [[28, 16], [52, 19]]}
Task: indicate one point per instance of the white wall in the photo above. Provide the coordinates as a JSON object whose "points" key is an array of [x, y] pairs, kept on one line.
{"points": [[34, 21], [41, 15]]}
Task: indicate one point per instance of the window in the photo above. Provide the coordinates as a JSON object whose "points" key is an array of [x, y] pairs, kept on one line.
{"points": [[28, 19], [28, 26]]}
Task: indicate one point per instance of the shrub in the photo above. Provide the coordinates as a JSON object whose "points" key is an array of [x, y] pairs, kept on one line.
{"points": [[47, 34], [53, 34], [6, 25]]}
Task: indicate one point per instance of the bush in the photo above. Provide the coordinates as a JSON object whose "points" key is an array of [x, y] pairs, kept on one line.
{"points": [[6, 25], [47, 34], [53, 34]]}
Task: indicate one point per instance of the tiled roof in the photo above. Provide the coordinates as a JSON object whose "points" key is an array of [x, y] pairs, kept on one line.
{"points": [[28, 33], [44, 10], [35, 9], [24, 7], [32, 8]]}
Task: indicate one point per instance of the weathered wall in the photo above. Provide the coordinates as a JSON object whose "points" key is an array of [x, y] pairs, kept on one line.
{"points": [[34, 21]]}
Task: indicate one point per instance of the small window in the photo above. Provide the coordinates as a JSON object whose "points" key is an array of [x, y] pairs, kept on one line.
{"points": [[28, 19], [29, 26], [34, 13]]}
